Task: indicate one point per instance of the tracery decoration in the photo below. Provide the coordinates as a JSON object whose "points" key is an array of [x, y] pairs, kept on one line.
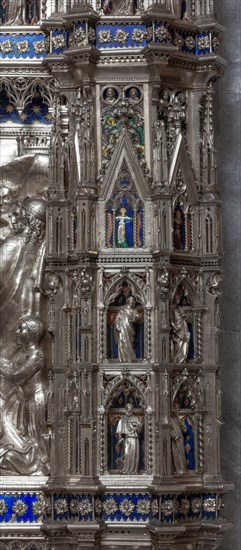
{"points": [[113, 372], [20, 91]]}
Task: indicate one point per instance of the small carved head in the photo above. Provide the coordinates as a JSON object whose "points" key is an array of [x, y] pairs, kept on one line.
{"points": [[53, 282], [7, 195], [122, 211], [180, 97], [131, 301], [18, 218], [129, 409], [165, 96], [133, 94], [30, 329], [110, 94], [36, 215], [36, 206]]}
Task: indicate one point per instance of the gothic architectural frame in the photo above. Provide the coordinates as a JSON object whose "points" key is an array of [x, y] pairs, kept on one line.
{"points": [[110, 277]]}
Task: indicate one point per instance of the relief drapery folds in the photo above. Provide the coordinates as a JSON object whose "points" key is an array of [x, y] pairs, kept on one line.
{"points": [[23, 440], [128, 430], [180, 334], [23, 449], [125, 319], [21, 12]]}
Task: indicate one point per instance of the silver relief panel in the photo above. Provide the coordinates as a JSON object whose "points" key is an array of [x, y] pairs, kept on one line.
{"points": [[24, 439]]}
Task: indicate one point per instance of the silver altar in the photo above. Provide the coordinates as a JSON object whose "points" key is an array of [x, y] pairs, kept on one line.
{"points": [[111, 276]]}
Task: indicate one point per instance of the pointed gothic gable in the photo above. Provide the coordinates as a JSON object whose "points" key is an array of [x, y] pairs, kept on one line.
{"points": [[124, 152], [181, 165]]}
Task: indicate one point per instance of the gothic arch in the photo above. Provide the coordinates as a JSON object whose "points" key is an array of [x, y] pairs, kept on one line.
{"points": [[182, 201], [122, 149], [33, 546], [125, 389], [133, 383], [118, 290], [187, 284], [135, 284], [193, 395]]}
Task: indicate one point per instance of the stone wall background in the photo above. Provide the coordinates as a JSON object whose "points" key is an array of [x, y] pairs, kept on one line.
{"points": [[228, 141]]}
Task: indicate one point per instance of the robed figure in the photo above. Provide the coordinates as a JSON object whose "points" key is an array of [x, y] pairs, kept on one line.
{"points": [[177, 442], [180, 336], [124, 330], [128, 431]]}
